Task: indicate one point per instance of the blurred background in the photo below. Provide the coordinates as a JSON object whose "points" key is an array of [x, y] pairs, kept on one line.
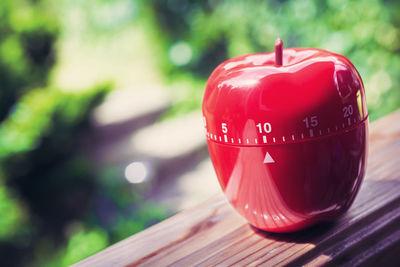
{"points": [[100, 125]]}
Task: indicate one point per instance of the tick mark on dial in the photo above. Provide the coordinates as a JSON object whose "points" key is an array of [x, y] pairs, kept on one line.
{"points": [[320, 132], [273, 139], [220, 138], [240, 141], [232, 140], [225, 139], [311, 133], [302, 136], [255, 140], [329, 130], [264, 139], [342, 125], [292, 137], [336, 127], [349, 121], [283, 138], [247, 140]]}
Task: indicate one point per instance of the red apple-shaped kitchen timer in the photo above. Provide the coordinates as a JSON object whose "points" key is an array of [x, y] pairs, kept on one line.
{"points": [[287, 135]]}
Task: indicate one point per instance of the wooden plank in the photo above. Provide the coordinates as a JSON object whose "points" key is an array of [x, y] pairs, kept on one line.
{"points": [[214, 234]]}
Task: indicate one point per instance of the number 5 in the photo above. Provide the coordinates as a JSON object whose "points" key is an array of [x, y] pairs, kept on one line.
{"points": [[224, 128], [314, 121]]}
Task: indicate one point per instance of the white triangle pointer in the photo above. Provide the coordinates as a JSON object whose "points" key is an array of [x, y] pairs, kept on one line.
{"points": [[268, 158]]}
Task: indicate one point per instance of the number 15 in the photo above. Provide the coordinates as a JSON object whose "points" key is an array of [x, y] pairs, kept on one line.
{"points": [[311, 121]]}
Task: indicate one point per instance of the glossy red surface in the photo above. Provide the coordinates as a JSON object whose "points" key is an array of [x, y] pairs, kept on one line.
{"points": [[289, 142]]}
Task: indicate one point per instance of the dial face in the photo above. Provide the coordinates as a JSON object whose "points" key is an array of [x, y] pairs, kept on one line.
{"points": [[250, 102]]}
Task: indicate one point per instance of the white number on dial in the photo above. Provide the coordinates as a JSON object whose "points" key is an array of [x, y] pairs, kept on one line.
{"points": [[348, 111], [266, 127], [224, 128], [311, 121]]}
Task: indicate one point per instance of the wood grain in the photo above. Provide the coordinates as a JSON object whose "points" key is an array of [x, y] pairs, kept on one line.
{"points": [[214, 234]]}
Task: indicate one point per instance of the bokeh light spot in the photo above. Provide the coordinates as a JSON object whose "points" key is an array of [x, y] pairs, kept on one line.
{"points": [[136, 172], [180, 53]]}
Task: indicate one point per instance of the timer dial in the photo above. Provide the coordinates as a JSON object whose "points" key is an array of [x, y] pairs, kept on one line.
{"points": [[287, 134]]}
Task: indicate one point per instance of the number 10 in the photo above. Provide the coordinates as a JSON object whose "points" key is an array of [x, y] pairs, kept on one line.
{"points": [[266, 127]]}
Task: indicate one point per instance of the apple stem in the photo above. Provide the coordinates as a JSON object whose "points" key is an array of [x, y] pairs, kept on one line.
{"points": [[278, 52]]}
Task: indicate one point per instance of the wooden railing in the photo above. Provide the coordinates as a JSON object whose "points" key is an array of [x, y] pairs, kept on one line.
{"points": [[214, 234]]}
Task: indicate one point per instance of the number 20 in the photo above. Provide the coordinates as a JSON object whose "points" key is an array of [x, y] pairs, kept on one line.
{"points": [[347, 111]]}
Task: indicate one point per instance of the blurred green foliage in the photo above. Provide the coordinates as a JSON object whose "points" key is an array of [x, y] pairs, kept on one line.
{"points": [[195, 36], [54, 208], [46, 180], [27, 36]]}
